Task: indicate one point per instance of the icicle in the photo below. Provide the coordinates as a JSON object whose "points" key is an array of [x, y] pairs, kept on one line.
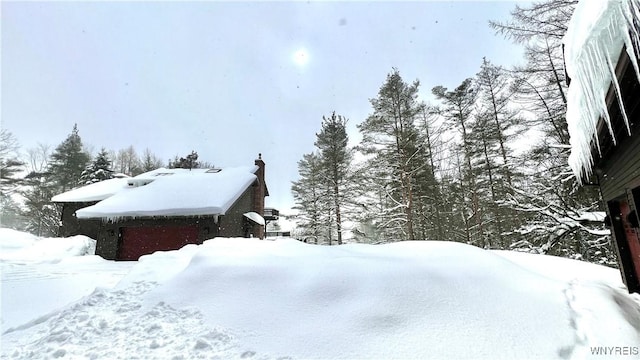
{"points": [[597, 141], [600, 97], [594, 99], [616, 86], [632, 16], [596, 34]]}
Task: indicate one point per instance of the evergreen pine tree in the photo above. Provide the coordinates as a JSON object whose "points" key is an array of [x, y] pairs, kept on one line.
{"points": [[188, 162], [68, 161], [433, 205], [391, 137], [11, 213], [496, 100], [150, 161], [335, 160], [552, 200], [457, 108], [98, 170], [496, 122], [310, 194], [10, 164], [42, 216]]}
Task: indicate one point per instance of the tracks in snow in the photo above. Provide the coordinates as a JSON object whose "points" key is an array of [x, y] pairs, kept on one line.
{"points": [[116, 325], [601, 317], [576, 321]]}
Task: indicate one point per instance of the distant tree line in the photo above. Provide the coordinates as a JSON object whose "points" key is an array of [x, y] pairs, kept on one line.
{"points": [[456, 170], [27, 185]]}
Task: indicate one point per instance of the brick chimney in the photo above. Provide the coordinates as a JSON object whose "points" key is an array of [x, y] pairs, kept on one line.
{"points": [[259, 192]]}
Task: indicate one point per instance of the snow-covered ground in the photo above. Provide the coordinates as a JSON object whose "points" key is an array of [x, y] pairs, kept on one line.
{"points": [[252, 299]]}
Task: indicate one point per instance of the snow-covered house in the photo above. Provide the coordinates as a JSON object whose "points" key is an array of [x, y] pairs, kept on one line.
{"points": [[165, 209], [602, 47]]}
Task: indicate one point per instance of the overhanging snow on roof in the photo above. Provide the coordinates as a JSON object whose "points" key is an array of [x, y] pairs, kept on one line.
{"points": [[176, 192], [597, 32], [93, 192], [255, 217]]}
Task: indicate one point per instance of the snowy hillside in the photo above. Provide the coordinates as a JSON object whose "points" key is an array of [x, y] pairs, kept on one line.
{"points": [[246, 298]]}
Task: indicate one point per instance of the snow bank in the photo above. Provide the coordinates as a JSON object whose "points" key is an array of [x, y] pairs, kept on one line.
{"points": [[402, 300], [16, 246], [595, 37], [160, 266], [42, 275], [246, 298], [116, 325], [564, 269]]}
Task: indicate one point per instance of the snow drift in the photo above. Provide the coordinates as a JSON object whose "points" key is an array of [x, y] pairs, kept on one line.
{"points": [[16, 246], [247, 298]]}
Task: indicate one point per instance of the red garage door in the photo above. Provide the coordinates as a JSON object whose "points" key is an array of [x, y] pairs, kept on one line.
{"points": [[138, 241]]}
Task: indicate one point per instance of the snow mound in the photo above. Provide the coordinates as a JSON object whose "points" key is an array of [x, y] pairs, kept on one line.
{"points": [[16, 246], [399, 300], [571, 270], [246, 298], [159, 266], [115, 325], [13, 239]]}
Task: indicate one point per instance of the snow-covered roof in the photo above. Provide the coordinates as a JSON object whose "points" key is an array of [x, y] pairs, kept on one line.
{"points": [[255, 217], [93, 192], [175, 192], [593, 42]]}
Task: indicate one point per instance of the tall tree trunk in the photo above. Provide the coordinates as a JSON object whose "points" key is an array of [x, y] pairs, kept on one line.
{"points": [[405, 178], [436, 194], [562, 137], [411, 233], [503, 151], [493, 191], [558, 82], [474, 188], [336, 194]]}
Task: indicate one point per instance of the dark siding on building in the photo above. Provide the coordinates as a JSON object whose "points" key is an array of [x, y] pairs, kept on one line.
{"points": [[622, 172], [232, 224], [110, 233], [71, 225], [622, 246], [618, 170]]}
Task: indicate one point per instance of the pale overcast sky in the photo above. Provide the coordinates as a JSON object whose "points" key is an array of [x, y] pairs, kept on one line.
{"points": [[226, 79]]}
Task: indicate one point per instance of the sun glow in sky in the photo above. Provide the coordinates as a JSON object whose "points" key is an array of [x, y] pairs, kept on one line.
{"points": [[301, 57]]}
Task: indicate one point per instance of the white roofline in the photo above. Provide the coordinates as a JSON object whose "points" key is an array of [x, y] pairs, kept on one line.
{"points": [[183, 193]]}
